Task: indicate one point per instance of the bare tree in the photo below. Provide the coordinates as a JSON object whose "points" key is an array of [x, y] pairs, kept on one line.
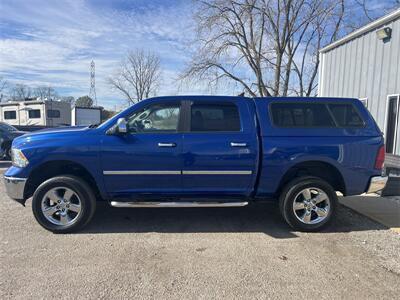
{"points": [[44, 92], [369, 8], [232, 37], [69, 99], [138, 76], [3, 86], [84, 101], [20, 92], [323, 29], [268, 47]]}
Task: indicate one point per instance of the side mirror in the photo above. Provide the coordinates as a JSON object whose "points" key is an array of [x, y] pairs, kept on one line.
{"points": [[122, 126]]}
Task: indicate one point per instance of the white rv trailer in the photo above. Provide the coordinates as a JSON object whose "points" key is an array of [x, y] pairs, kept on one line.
{"points": [[36, 113]]}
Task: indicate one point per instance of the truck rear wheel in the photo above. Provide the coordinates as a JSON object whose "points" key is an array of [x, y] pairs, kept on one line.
{"points": [[308, 203], [63, 204]]}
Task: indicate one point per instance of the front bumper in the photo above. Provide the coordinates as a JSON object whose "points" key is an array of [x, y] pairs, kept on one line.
{"points": [[15, 187], [376, 184]]}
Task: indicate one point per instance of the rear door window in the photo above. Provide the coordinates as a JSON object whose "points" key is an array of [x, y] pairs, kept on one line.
{"points": [[214, 117], [346, 115], [301, 115]]}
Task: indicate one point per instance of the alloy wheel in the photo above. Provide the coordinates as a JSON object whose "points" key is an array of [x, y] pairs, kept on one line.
{"points": [[61, 206], [311, 205]]}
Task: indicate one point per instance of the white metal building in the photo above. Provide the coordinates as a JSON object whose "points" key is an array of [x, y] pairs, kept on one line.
{"points": [[366, 64], [37, 112]]}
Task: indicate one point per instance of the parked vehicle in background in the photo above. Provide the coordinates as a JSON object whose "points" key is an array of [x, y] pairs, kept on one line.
{"points": [[202, 151], [36, 113], [1, 146], [8, 134]]}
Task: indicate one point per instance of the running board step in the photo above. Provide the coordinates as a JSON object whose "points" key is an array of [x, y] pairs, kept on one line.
{"points": [[178, 204]]}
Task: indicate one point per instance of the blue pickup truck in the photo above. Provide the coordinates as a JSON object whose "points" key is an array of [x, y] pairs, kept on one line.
{"points": [[203, 151]]}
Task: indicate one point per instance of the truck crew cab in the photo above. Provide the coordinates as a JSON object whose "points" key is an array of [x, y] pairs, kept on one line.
{"points": [[201, 151]]}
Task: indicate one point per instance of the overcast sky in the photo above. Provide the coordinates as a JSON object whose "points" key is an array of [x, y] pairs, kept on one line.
{"points": [[44, 42]]}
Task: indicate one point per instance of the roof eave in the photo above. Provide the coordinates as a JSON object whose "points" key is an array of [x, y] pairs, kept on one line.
{"points": [[371, 26]]}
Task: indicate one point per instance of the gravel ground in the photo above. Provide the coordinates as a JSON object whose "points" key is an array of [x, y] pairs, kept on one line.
{"points": [[196, 253], [394, 198]]}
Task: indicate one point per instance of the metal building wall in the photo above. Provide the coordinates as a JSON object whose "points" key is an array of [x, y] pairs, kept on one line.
{"points": [[364, 67]]}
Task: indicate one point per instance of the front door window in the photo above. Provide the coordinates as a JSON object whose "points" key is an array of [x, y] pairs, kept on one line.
{"points": [[157, 118]]}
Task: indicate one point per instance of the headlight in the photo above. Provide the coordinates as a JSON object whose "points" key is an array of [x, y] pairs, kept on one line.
{"points": [[18, 158]]}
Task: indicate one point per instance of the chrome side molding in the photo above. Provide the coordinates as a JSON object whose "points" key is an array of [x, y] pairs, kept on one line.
{"points": [[212, 172], [142, 172], [177, 204], [176, 172]]}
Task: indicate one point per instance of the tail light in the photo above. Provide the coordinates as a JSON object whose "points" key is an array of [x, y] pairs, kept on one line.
{"points": [[380, 158]]}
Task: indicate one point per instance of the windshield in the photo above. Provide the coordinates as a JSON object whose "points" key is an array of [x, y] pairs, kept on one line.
{"points": [[6, 127]]}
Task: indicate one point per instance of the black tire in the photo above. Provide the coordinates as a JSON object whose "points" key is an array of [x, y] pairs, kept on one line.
{"points": [[392, 187], [78, 186], [288, 196]]}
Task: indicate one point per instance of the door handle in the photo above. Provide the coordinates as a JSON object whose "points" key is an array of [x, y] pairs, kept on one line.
{"points": [[238, 144], [166, 145]]}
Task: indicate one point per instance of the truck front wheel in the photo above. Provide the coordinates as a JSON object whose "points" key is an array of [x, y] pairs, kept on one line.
{"points": [[63, 204], [308, 203]]}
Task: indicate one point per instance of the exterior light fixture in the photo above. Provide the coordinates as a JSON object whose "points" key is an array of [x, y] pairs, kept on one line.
{"points": [[384, 34]]}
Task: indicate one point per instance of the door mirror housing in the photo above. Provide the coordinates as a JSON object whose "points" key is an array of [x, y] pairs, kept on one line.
{"points": [[121, 127]]}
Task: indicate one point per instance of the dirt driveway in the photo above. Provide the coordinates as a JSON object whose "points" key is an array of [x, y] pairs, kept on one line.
{"points": [[196, 253]]}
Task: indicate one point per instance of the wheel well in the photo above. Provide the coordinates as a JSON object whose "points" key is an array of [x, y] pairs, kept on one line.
{"points": [[55, 168], [323, 170]]}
